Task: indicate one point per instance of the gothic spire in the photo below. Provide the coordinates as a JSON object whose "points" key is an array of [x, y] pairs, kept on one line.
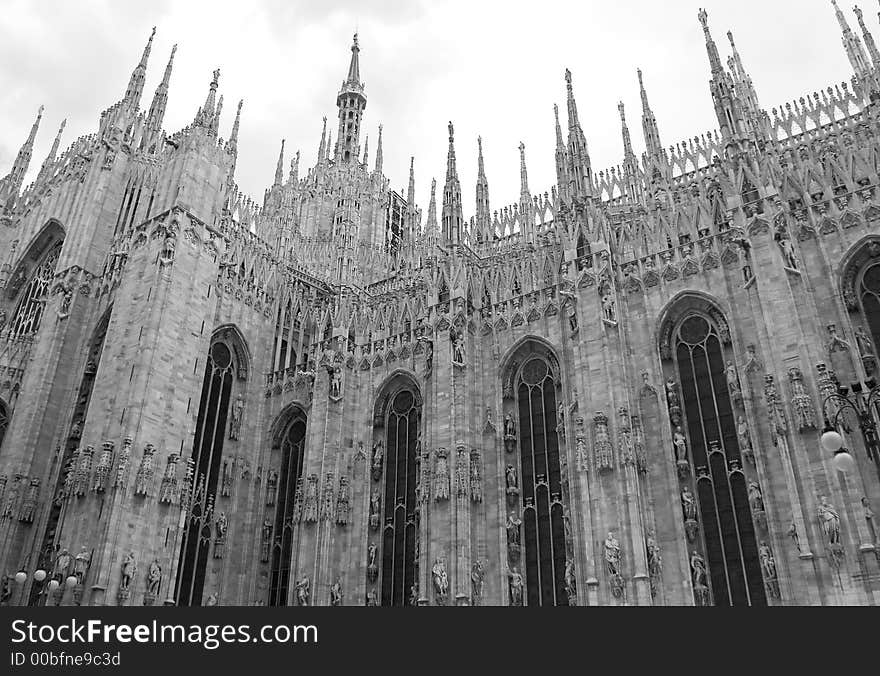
{"points": [[628, 154], [136, 83], [279, 168], [452, 213], [233, 136], [711, 48], [578, 153], [524, 193], [322, 149], [483, 215], [23, 159], [649, 122], [294, 169], [351, 103], [411, 188], [431, 223], [50, 158], [561, 158], [160, 99], [205, 116], [215, 125], [868, 38], [853, 46], [380, 158], [354, 68], [366, 149]]}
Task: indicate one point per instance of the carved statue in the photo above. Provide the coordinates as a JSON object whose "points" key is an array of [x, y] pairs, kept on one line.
{"points": [[672, 393], [375, 510], [698, 572], [441, 476], [570, 582], [376, 462], [732, 379], [336, 594], [787, 249], [129, 570], [612, 555], [271, 488], [742, 435], [489, 422], [688, 504], [477, 574], [793, 534], [303, 588], [768, 562], [608, 307], [336, 383], [441, 581], [509, 427], [62, 566], [864, 342], [512, 480], [458, 349], [756, 498], [655, 562], [516, 587], [680, 442], [560, 416], [371, 599], [265, 540], [310, 506], [829, 520], [154, 578], [81, 564], [235, 423], [372, 568], [513, 524]]}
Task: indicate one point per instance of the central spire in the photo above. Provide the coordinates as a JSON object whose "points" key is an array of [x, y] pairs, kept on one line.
{"points": [[351, 103]]}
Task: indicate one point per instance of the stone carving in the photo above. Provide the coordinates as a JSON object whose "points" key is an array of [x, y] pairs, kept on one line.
{"points": [[512, 480], [476, 476], [83, 471], [328, 501], [515, 583], [461, 472], [698, 575], [61, 568], [510, 432], [303, 591], [310, 502], [768, 569], [801, 401], [168, 487], [129, 570], [829, 520], [105, 465], [335, 383], [336, 593], [372, 567], [756, 502], [440, 580], [154, 582], [570, 580], [29, 504], [835, 342], [298, 499], [679, 441], [377, 459], [602, 448], [655, 562], [793, 534], [81, 565], [489, 425], [144, 478], [624, 437], [581, 453], [271, 487], [375, 510], [371, 599], [227, 477], [689, 508], [639, 445], [673, 402], [459, 355], [775, 410], [866, 349], [786, 248], [221, 525], [733, 386], [235, 422], [441, 475], [265, 540], [611, 553], [477, 575], [647, 389], [513, 536], [744, 440], [343, 502]]}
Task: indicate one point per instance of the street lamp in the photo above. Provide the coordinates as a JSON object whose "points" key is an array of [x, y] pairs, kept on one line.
{"points": [[861, 401]]}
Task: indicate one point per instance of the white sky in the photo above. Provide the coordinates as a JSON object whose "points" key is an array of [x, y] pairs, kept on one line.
{"points": [[494, 68]]}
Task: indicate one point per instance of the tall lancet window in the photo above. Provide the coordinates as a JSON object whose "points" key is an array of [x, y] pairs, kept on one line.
{"points": [[30, 286], [216, 421], [282, 484], [699, 339], [397, 427], [534, 488], [860, 273]]}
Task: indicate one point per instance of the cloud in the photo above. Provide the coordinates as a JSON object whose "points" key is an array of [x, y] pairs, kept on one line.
{"points": [[494, 70]]}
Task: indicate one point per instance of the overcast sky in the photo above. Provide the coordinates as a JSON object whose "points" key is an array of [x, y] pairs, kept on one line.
{"points": [[494, 68]]}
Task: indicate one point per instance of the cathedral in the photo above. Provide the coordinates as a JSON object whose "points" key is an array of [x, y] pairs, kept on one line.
{"points": [[653, 384]]}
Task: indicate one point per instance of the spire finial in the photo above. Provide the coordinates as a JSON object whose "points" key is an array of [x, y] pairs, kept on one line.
{"points": [[380, 157], [233, 136], [279, 168], [523, 174]]}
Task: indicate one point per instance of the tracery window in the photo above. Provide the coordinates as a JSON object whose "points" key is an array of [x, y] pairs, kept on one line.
{"points": [[869, 296], [211, 425], [34, 296], [400, 416], [722, 494], [291, 456], [538, 491]]}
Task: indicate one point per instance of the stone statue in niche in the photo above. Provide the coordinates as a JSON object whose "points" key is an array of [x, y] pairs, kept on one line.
{"points": [[560, 417], [583, 457], [680, 442], [786, 248], [829, 520], [265, 540], [756, 498], [570, 582], [336, 594], [515, 581], [866, 350], [611, 553], [372, 567], [235, 422], [271, 488], [733, 385], [689, 508], [655, 562], [376, 461], [375, 510], [336, 384], [793, 534], [745, 442], [81, 565], [154, 578], [220, 527], [602, 447], [62, 566], [768, 569], [129, 570], [458, 349], [801, 401], [513, 536], [310, 507], [303, 591], [509, 428], [869, 515], [477, 574], [698, 573], [343, 503], [512, 480], [441, 476], [441, 581]]}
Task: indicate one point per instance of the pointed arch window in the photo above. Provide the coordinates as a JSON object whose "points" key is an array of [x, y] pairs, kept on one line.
{"points": [[869, 297], [34, 295], [291, 458], [698, 353], [211, 425], [537, 493], [398, 423]]}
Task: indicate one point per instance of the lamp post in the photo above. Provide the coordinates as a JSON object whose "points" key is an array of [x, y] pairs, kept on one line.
{"points": [[862, 400]]}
